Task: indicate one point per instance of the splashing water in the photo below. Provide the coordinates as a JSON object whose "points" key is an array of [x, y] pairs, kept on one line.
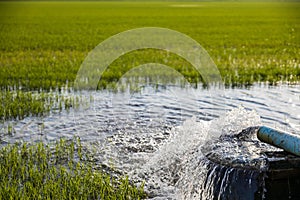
{"points": [[169, 161]]}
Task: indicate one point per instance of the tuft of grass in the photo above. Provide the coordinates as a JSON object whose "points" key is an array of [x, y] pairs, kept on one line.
{"points": [[40, 172]]}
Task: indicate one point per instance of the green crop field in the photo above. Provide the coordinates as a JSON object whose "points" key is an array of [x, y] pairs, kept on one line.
{"points": [[42, 45]]}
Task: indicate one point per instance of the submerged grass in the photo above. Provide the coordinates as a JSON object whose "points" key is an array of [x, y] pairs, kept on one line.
{"points": [[18, 104], [41, 172]]}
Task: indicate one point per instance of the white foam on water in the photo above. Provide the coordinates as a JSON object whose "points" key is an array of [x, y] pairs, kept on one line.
{"points": [[233, 122], [192, 172], [192, 176]]}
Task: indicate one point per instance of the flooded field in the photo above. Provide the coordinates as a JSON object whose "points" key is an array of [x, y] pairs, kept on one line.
{"points": [[152, 134]]}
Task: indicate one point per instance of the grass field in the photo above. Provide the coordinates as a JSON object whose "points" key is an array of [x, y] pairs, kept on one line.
{"points": [[42, 44]]}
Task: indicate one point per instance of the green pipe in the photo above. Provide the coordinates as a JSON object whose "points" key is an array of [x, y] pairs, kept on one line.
{"points": [[287, 141]]}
